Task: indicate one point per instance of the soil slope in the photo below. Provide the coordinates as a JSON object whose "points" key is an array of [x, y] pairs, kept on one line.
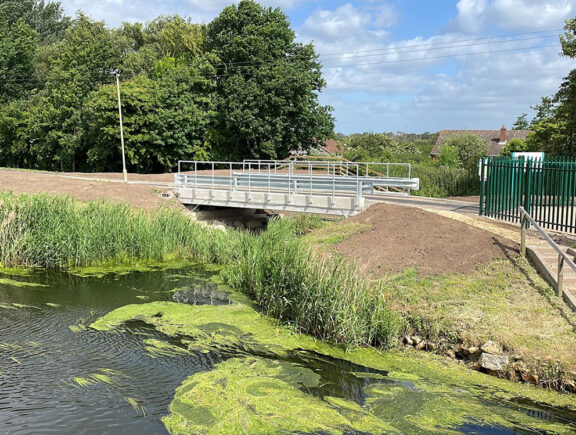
{"points": [[136, 195], [402, 237]]}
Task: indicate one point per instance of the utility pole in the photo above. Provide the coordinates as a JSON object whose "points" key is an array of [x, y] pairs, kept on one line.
{"points": [[117, 74]]}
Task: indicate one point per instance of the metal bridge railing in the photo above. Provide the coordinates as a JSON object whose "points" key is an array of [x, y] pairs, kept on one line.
{"points": [[367, 169], [291, 177]]}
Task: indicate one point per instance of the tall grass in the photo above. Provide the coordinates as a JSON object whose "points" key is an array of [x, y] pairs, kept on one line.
{"points": [[319, 294], [58, 232]]}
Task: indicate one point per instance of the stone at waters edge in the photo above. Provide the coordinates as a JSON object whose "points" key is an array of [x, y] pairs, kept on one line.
{"points": [[493, 362], [491, 348]]}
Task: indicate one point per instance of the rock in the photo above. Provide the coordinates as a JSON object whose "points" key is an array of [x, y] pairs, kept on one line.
{"points": [[408, 341], [493, 362], [431, 346], [473, 366], [450, 353], [201, 295], [533, 379], [416, 340], [421, 345], [491, 348], [473, 350]]}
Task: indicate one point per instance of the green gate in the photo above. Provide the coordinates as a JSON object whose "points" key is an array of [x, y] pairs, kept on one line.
{"points": [[546, 189]]}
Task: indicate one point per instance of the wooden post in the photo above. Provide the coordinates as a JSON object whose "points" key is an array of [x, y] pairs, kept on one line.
{"points": [[523, 235], [560, 288]]}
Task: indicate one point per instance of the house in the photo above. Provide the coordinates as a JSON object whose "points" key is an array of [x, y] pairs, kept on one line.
{"points": [[329, 147], [333, 147], [495, 139]]}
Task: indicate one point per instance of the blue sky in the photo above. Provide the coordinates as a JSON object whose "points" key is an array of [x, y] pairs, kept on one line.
{"points": [[409, 65]]}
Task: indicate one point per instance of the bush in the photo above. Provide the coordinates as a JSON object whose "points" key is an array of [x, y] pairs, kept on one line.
{"points": [[470, 148], [442, 181]]}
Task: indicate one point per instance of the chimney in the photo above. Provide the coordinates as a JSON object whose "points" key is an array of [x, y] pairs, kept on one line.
{"points": [[503, 135]]}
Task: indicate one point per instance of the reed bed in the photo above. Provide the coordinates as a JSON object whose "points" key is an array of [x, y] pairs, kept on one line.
{"points": [[321, 295], [318, 294]]}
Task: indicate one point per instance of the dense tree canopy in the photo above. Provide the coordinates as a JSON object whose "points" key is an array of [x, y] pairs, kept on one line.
{"points": [[239, 87], [46, 19], [266, 92], [554, 126]]}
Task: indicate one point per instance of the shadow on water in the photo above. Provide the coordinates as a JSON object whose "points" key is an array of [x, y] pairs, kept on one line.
{"points": [[58, 376]]}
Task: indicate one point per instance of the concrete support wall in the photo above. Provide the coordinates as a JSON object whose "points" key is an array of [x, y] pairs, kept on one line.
{"points": [[339, 205]]}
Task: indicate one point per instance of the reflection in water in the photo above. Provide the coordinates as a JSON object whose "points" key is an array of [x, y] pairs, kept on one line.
{"points": [[59, 376]]}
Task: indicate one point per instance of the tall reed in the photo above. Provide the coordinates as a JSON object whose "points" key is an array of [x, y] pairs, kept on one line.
{"points": [[321, 295]]}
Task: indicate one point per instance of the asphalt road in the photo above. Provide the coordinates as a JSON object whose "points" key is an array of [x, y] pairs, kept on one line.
{"points": [[465, 207]]}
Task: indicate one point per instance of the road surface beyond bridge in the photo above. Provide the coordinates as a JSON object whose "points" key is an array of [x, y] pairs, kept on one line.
{"points": [[326, 187]]}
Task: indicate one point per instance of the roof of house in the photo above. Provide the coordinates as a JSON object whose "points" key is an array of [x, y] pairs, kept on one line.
{"points": [[491, 137], [333, 146]]}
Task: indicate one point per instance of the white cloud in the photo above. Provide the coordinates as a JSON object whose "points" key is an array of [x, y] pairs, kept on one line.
{"points": [[476, 15], [115, 12], [443, 81]]}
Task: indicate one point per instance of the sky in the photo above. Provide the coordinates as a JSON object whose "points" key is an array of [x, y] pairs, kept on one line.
{"points": [[408, 65]]}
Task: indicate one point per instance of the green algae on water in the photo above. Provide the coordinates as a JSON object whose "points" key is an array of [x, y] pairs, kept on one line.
{"points": [[157, 348], [25, 306], [261, 396], [125, 269], [14, 283], [16, 271], [102, 376], [421, 394]]}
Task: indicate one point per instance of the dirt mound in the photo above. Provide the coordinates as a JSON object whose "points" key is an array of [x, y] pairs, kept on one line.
{"points": [[84, 190], [403, 237]]}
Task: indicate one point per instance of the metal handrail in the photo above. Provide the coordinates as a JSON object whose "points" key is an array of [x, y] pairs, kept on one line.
{"points": [[335, 163], [562, 256]]}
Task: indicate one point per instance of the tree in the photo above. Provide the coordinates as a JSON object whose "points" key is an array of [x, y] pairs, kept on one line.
{"points": [[164, 120], [521, 123], [74, 67], [554, 126], [514, 145], [449, 156], [470, 148], [17, 45], [267, 85], [46, 19]]}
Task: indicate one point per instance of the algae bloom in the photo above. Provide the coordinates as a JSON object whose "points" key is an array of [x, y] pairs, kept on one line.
{"points": [[272, 380]]}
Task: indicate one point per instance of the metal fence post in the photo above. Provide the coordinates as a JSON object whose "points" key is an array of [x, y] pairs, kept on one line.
{"points": [[527, 187], [481, 207], [523, 234], [560, 280]]}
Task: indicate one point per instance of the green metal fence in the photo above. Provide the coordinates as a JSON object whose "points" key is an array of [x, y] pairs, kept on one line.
{"points": [[546, 189]]}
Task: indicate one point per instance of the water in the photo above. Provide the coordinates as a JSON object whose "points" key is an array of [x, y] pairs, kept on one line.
{"points": [[52, 366]]}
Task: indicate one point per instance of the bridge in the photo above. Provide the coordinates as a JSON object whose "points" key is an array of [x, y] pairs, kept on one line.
{"points": [[325, 187]]}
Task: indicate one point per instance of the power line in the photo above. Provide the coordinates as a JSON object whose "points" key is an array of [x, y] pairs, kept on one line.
{"points": [[394, 51], [432, 46], [467, 40], [109, 80], [446, 56]]}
